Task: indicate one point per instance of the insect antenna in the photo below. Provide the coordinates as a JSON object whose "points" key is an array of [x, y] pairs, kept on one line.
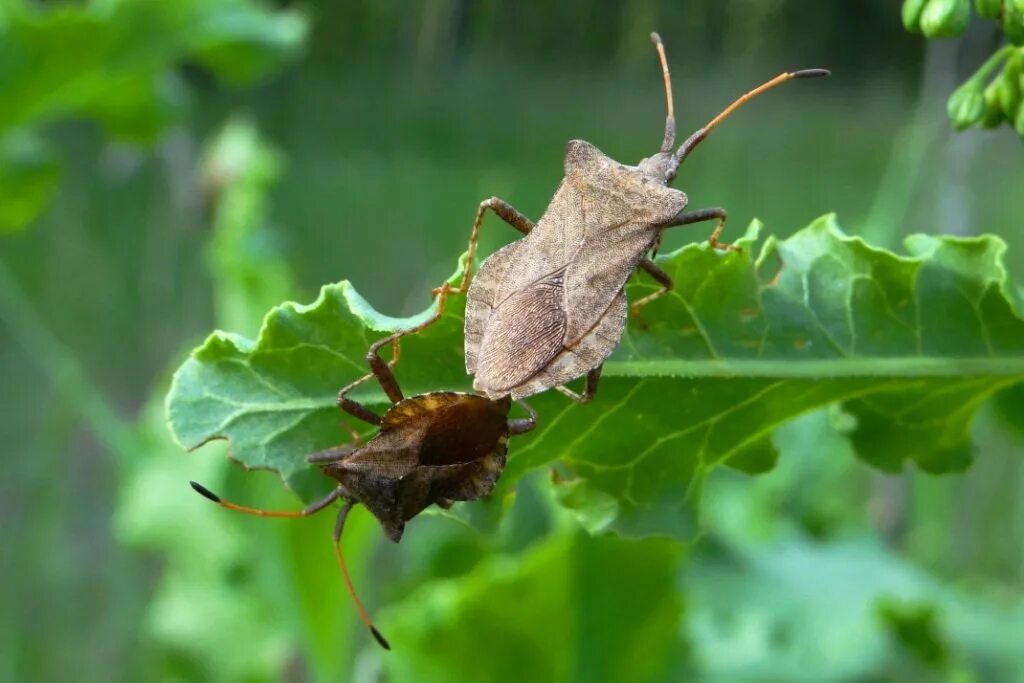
{"points": [[670, 119], [305, 512], [700, 134], [339, 526]]}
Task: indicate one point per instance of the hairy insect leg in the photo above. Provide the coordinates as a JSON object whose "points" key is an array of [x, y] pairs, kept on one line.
{"points": [[699, 216], [310, 509], [521, 425], [663, 278], [339, 527], [507, 213], [589, 387], [355, 409]]}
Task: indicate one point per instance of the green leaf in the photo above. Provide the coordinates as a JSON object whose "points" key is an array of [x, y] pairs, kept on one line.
{"points": [[28, 178], [109, 59], [214, 611], [909, 345], [114, 62], [845, 610], [795, 578], [593, 510], [575, 608]]}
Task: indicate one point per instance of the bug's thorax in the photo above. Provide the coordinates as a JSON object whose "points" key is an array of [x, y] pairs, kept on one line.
{"points": [[599, 195]]}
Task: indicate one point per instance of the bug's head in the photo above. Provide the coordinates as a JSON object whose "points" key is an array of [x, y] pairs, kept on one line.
{"points": [[664, 165], [660, 167]]}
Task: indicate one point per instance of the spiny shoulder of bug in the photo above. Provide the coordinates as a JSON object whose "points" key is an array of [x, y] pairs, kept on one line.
{"points": [[658, 169]]}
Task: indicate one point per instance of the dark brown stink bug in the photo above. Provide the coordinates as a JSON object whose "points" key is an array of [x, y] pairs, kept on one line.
{"points": [[432, 448], [551, 306]]}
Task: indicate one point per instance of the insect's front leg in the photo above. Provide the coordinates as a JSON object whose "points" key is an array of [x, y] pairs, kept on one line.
{"points": [[505, 212], [699, 216], [663, 278]]}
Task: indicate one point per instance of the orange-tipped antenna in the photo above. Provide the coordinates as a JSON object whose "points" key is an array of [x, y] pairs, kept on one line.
{"points": [[363, 614], [670, 120], [694, 140], [305, 512]]}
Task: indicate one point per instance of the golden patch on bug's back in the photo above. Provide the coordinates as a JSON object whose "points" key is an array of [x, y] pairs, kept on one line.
{"points": [[417, 407]]}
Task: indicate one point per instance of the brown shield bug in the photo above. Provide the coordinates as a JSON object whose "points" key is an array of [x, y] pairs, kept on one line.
{"points": [[437, 447], [551, 306]]}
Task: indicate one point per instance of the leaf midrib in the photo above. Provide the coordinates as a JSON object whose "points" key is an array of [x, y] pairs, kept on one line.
{"points": [[824, 369]]}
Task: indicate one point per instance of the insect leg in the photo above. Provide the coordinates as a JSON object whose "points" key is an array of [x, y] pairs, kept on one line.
{"points": [[357, 410], [521, 425], [383, 371], [663, 279], [507, 213], [698, 216], [589, 387]]}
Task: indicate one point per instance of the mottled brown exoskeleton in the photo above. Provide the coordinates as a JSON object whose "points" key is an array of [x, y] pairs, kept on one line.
{"points": [[551, 306], [438, 447]]}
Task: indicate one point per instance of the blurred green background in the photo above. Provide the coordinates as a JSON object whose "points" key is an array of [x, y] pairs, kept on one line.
{"points": [[167, 168]]}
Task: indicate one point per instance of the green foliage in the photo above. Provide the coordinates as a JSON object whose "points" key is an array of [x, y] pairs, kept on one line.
{"points": [[229, 607], [811, 571], [245, 259], [936, 18], [213, 593], [28, 177], [114, 62], [909, 345], [982, 99], [793, 583], [573, 608]]}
